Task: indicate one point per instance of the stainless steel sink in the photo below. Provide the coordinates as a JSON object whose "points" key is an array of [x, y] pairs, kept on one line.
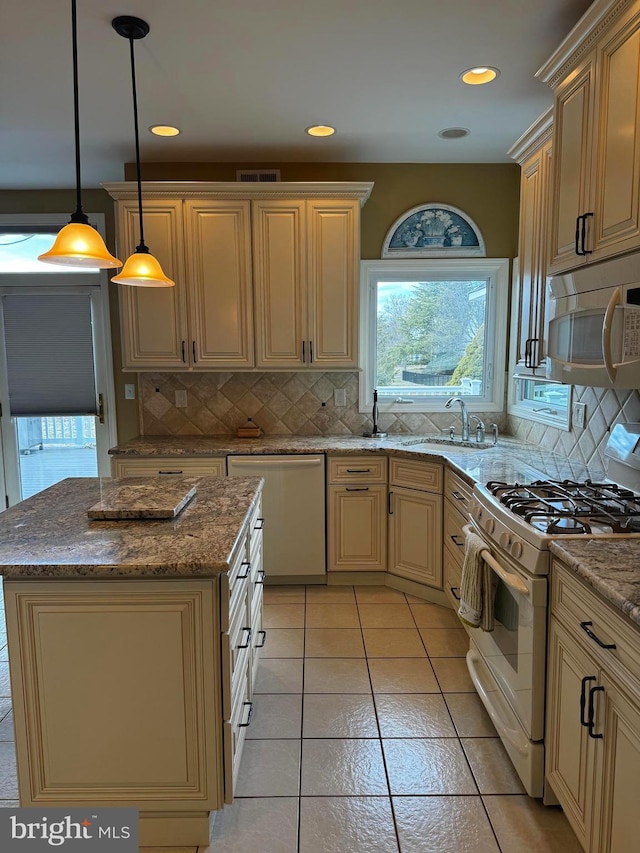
{"points": [[449, 442]]}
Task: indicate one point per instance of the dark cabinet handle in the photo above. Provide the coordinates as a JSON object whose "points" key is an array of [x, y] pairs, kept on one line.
{"points": [[586, 627], [358, 470], [310, 352], [248, 643], [458, 496], [454, 538], [193, 350], [583, 699], [246, 574], [390, 503], [184, 353], [259, 525], [303, 354], [592, 711], [261, 576], [170, 472], [248, 723], [583, 234], [578, 252], [357, 488], [264, 639], [454, 593]]}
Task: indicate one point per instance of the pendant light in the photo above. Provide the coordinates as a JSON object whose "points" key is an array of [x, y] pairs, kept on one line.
{"points": [[78, 244], [141, 269]]}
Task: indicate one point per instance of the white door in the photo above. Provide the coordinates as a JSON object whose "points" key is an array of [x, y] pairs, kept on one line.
{"points": [[41, 446]]}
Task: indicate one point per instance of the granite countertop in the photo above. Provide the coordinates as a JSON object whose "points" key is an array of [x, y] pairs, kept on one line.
{"points": [[50, 536], [510, 460], [610, 566]]}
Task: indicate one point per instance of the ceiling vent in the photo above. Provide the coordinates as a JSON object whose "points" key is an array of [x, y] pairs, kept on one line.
{"points": [[258, 176]]}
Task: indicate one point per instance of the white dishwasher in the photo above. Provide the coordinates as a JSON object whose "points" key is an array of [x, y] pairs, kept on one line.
{"points": [[293, 505]]}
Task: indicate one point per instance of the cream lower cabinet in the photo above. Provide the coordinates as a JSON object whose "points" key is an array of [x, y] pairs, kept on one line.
{"points": [[176, 466], [415, 521], [357, 514], [457, 503], [593, 716]]}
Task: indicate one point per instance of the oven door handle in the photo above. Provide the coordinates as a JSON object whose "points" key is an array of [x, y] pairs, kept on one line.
{"points": [[509, 578]]}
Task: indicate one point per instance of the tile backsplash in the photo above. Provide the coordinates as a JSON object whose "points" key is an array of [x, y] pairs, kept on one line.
{"points": [[300, 403], [605, 408]]}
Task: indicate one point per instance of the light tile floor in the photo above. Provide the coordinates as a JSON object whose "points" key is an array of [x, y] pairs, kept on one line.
{"points": [[367, 737]]}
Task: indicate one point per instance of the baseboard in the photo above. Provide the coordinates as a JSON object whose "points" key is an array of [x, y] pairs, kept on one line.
{"points": [[279, 580], [356, 578], [428, 593], [174, 829]]}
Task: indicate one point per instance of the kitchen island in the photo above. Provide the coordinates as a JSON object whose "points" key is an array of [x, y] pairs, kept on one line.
{"points": [[125, 688]]}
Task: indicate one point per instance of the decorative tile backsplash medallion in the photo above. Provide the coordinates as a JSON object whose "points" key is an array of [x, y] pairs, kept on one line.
{"points": [[605, 408], [299, 403]]}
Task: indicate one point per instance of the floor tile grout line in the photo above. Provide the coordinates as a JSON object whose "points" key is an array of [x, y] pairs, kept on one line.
{"points": [[304, 668]]}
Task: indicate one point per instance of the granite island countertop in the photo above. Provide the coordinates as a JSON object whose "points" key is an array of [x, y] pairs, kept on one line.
{"points": [[610, 566], [510, 460], [50, 536]]}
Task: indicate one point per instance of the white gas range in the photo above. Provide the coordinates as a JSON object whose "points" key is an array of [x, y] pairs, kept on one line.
{"points": [[517, 522]]}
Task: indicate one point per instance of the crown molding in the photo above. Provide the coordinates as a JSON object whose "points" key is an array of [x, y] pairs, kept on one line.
{"points": [[597, 17], [534, 136], [238, 190]]}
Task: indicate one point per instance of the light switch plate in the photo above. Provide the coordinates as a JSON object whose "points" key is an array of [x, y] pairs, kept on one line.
{"points": [[340, 397], [579, 415], [181, 399], [129, 391]]}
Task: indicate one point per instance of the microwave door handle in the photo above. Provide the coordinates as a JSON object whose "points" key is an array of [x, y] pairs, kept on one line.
{"points": [[607, 323]]}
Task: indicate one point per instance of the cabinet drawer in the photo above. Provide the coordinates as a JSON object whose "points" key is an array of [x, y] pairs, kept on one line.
{"points": [[256, 525], [236, 643], [453, 535], [426, 476], [166, 467], [358, 469], [457, 491], [451, 579], [573, 603], [234, 734]]}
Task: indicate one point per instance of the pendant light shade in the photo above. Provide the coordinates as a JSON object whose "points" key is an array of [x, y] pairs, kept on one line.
{"points": [[79, 244], [141, 269]]}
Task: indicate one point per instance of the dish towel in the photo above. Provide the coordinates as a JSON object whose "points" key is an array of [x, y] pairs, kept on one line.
{"points": [[476, 586]]}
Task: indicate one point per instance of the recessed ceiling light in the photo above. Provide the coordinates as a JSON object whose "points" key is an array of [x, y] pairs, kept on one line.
{"points": [[164, 130], [454, 132], [320, 130], [479, 75]]}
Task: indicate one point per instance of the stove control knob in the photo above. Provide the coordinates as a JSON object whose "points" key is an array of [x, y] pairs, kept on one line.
{"points": [[489, 526], [516, 549], [505, 540]]}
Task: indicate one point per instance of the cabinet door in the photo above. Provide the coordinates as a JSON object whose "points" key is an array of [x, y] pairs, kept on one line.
{"points": [[573, 111], [333, 252], [279, 271], [415, 536], [357, 528], [617, 821], [569, 762], [533, 245], [218, 251], [154, 320], [616, 219]]}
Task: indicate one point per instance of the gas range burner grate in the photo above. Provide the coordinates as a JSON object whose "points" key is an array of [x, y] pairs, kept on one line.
{"points": [[566, 506]]}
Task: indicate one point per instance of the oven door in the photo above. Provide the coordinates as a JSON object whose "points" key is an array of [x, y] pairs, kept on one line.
{"points": [[514, 652]]}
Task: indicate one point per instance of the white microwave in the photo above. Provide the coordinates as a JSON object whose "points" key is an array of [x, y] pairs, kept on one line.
{"points": [[594, 326]]}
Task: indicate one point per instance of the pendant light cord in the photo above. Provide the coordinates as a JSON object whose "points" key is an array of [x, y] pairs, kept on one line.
{"points": [[79, 215], [141, 247]]}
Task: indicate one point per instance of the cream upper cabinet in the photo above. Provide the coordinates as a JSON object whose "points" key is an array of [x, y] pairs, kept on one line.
{"points": [[154, 320], [593, 715], [218, 267], [529, 324], [306, 256], [266, 276], [596, 179]]}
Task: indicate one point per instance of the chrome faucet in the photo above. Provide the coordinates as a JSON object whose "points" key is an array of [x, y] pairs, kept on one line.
{"points": [[465, 415]]}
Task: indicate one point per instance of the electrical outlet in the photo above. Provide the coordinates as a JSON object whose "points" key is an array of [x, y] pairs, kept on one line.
{"points": [[181, 399], [340, 397], [129, 391], [580, 415]]}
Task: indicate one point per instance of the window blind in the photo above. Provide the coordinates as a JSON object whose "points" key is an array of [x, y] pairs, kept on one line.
{"points": [[49, 350]]}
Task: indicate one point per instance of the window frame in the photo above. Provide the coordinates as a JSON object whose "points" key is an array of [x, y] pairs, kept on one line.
{"points": [[494, 270]]}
